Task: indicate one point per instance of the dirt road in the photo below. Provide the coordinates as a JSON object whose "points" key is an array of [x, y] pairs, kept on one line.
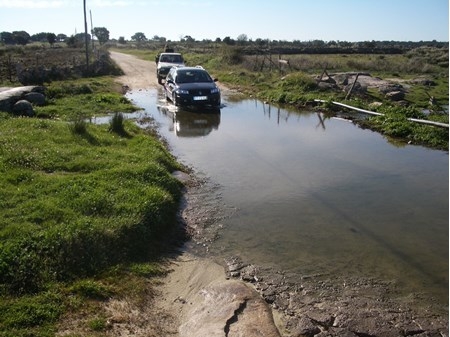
{"points": [[139, 74]]}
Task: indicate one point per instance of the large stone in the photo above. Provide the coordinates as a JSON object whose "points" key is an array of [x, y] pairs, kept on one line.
{"points": [[23, 108], [35, 98], [229, 308], [210, 305], [9, 96]]}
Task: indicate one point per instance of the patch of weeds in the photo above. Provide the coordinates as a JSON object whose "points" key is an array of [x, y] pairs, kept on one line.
{"points": [[78, 126], [90, 289], [97, 324], [110, 98], [27, 312], [68, 88], [117, 125], [147, 269]]}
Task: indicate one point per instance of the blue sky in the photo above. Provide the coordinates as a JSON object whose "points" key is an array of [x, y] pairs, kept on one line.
{"points": [[304, 20]]}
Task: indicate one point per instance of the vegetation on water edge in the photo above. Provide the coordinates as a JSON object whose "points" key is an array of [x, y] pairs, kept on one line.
{"points": [[295, 86], [84, 207]]}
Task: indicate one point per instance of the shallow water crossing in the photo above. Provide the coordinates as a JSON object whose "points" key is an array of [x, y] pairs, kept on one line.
{"points": [[317, 196]]}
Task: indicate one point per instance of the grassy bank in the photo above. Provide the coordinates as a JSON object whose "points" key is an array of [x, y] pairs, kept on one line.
{"points": [[85, 208]]}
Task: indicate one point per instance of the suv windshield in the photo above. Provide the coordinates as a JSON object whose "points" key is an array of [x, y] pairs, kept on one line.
{"points": [[192, 76]]}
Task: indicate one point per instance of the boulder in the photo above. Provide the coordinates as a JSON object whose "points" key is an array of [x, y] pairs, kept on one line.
{"points": [[23, 108], [35, 98], [10, 96]]}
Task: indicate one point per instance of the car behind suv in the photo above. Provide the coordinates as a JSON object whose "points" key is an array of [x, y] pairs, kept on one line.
{"points": [[165, 62], [191, 86]]}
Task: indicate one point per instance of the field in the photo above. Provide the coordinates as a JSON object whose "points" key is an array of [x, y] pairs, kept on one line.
{"points": [[37, 64]]}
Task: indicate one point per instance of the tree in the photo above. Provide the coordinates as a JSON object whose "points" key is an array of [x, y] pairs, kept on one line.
{"points": [[51, 38], [102, 34], [139, 37], [262, 43], [77, 41], [158, 38], [61, 37], [39, 37], [242, 38], [21, 37], [228, 40], [122, 40], [6, 38]]}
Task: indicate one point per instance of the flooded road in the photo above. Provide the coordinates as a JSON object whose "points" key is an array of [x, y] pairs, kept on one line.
{"points": [[317, 196]]}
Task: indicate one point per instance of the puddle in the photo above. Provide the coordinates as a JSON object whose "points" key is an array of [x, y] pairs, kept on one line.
{"points": [[316, 196]]}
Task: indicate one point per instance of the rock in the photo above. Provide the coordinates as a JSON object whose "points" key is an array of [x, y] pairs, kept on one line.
{"points": [[423, 81], [375, 105], [23, 108], [395, 95], [35, 98], [390, 87], [357, 88], [10, 96], [303, 327], [229, 308]]}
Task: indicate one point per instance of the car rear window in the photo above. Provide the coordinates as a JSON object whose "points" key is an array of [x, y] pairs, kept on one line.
{"points": [[192, 76], [171, 58]]}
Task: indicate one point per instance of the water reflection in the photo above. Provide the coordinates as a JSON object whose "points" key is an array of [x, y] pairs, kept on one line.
{"points": [[188, 123]]}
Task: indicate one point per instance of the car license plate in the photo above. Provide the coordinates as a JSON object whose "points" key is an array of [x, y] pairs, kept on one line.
{"points": [[200, 98]]}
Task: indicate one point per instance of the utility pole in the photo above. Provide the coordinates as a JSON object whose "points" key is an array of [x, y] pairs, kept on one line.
{"points": [[92, 32], [86, 37]]}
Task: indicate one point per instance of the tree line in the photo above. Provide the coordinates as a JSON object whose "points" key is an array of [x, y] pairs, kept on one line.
{"points": [[23, 38], [295, 46]]}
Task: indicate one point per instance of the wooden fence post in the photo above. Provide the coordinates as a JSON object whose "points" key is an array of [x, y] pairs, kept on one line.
{"points": [[351, 89]]}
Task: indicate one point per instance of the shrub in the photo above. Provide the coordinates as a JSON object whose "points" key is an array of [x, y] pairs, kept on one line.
{"points": [[117, 124], [78, 126]]}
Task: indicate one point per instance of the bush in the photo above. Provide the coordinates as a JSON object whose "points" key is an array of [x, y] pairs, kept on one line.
{"points": [[117, 124]]}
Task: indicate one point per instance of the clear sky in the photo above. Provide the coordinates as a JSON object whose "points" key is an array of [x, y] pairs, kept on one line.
{"points": [[303, 20]]}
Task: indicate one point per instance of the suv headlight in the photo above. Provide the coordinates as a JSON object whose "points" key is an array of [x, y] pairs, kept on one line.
{"points": [[183, 92], [215, 91]]}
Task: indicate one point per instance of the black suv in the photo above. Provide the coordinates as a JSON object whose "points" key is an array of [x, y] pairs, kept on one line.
{"points": [[191, 86]]}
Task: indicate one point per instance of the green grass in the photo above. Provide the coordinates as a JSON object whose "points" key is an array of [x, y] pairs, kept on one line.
{"points": [[394, 124], [66, 197], [77, 199], [83, 98]]}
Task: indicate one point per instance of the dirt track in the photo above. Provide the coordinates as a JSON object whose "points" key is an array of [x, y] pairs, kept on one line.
{"points": [[139, 74]]}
